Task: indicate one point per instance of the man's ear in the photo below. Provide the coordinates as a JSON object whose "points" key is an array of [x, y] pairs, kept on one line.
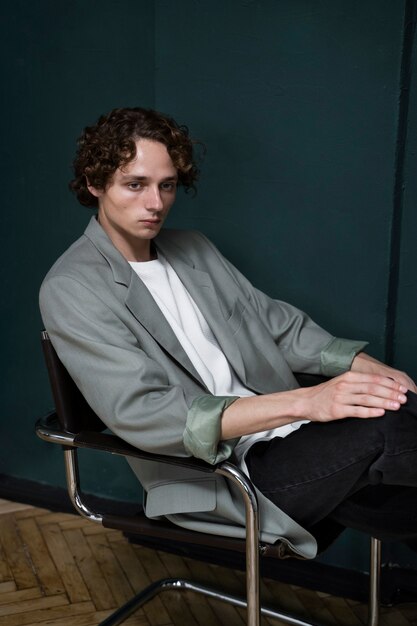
{"points": [[93, 190]]}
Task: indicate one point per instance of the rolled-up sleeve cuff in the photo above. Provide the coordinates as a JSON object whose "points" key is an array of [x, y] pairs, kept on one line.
{"points": [[337, 356], [202, 431]]}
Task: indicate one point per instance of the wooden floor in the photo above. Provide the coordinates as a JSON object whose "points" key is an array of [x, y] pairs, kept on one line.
{"points": [[60, 570]]}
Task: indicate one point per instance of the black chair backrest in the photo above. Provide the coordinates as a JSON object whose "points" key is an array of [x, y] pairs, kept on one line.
{"points": [[73, 412]]}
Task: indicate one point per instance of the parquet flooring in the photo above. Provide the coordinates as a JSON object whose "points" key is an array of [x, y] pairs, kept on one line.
{"points": [[61, 570]]}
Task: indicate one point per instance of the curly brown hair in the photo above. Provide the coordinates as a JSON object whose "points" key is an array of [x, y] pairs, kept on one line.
{"points": [[110, 144]]}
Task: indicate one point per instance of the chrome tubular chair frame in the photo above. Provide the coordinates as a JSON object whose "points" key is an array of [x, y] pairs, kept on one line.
{"points": [[48, 430]]}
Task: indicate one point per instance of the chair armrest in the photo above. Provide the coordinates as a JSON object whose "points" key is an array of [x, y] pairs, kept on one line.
{"points": [[48, 429], [309, 380]]}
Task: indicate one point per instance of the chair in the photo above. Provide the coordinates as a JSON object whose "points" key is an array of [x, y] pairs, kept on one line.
{"points": [[74, 425]]}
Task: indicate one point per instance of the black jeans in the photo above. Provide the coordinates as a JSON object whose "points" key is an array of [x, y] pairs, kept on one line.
{"points": [[359, 473]]}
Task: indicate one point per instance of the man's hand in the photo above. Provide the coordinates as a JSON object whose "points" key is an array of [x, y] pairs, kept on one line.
{"points": [[367, 391], [368, 365], [353, 394]]}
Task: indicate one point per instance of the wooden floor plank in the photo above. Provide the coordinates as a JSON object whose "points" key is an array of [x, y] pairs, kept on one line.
{"points": [[32, 604], [31, 512], [15, 554], [46, 571], [7, 586], [19, 596], [129, 560], [54, 518], [88, 619], [38, 616], [5, 573], [112, 572], [99, 590], [65, 564]]}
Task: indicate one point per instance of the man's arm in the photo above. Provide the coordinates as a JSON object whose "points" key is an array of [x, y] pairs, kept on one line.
{"points": [[305, 346], [367, 391], [127, 388]]}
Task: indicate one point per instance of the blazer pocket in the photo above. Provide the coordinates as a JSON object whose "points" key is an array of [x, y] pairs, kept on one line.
{"points": [[235, 319], [181, 497]]}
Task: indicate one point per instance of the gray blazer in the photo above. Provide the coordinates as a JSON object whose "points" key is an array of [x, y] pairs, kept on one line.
{"points": [[129, 365]]}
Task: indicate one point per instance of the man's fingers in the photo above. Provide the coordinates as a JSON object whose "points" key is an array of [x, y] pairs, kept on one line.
{"points": [[376, 401], [406, 383], [374, 379], [367, 395], [364, 412], [368, 365], [380, 391], [372, 384]]}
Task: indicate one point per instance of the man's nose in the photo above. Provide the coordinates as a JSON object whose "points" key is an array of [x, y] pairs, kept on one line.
{"points": [[153, 199]]}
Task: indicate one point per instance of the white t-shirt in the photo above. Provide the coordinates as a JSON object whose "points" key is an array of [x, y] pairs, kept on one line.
{"points": [[198, 341]]}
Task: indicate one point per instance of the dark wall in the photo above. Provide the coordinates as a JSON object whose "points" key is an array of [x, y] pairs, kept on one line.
{"points": [[298, 103], [405, 326], [308, 184], [65, 63]]}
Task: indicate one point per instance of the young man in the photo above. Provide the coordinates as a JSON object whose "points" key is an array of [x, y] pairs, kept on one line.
{"points": [[179, 354]]}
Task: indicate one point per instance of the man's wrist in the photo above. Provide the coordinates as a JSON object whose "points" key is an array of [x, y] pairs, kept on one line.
{"points": [[362, 362], [299, 404]]}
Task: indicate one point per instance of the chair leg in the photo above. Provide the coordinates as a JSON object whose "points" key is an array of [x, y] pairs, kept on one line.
{"points": [[252, 540], [177, 584], [374, 582]]}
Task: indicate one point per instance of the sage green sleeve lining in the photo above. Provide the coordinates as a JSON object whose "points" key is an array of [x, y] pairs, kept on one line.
{"points": [[337, 356], [202, 431]]}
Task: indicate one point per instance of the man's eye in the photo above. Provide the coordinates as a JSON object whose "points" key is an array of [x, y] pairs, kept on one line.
{"points": [[134, 186], [168, 186]]}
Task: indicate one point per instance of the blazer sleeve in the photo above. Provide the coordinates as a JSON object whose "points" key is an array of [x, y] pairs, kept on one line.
{"points": [[306, 347], [129, 391]]}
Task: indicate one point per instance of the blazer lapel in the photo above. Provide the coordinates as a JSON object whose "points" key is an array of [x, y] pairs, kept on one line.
{"points": [[142, 305], [138, 299]]}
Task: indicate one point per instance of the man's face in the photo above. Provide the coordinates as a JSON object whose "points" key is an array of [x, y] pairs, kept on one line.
{"points": [[134, 205]]}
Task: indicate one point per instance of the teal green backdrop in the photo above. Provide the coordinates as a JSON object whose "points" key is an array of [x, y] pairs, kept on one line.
{"points": [[308, 110]]}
